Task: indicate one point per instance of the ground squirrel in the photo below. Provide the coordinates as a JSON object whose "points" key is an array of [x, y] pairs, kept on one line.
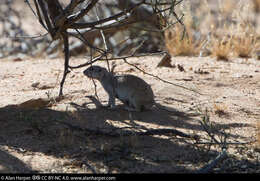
{"points": [[133, 91]]}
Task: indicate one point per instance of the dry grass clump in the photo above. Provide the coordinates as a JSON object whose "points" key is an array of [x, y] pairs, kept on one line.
{"points": [[230, 28], [179, 44], [245, 41], [244, 47], [221, 48], [245, 36], [182, 41], [220, 110], [238, 33]]}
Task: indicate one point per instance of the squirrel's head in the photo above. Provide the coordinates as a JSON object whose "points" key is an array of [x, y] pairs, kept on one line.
{"points": [[95, 72]]}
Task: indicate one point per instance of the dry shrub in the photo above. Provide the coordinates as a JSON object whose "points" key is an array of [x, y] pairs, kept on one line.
{"points": [[228, 25], [256, 5], [236, 36], [244, 32], [221, 48], [244, 45], [179, 44], [182, 41], [220, 110]]}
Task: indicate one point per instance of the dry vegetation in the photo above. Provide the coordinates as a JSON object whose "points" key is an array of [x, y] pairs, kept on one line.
{"points": [[223, 30], [220, 109]]}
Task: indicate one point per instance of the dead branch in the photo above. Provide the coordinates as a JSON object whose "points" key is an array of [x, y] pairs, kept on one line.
{"points": [[66, 63], [58, 20], [211, 131], [75, 17], [88, 63]]}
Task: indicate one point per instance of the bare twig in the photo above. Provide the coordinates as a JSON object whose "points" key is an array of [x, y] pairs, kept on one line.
{"points": [[29, 37], [222, 142], [159, 77], [88, 63], [45, 13], [73, 18], [104, 41]]}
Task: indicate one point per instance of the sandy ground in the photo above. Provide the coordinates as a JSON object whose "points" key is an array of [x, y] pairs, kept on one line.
{"points": [[49, 139], [44, 140]]}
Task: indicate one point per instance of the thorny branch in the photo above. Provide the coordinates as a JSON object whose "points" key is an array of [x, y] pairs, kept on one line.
{"points": [[58, 20]]}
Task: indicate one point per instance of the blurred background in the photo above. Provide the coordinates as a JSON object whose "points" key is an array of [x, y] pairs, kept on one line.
{"points": [[221, 28]]}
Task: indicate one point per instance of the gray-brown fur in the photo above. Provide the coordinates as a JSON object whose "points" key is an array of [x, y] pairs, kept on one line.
{"points": [[133, 91]]}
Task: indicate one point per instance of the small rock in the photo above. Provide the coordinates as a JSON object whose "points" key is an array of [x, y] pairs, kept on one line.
{"points": [[35, 85], [166, 61]]}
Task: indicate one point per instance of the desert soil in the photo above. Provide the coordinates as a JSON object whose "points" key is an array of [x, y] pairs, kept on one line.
{"points": [[48, 139]]}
